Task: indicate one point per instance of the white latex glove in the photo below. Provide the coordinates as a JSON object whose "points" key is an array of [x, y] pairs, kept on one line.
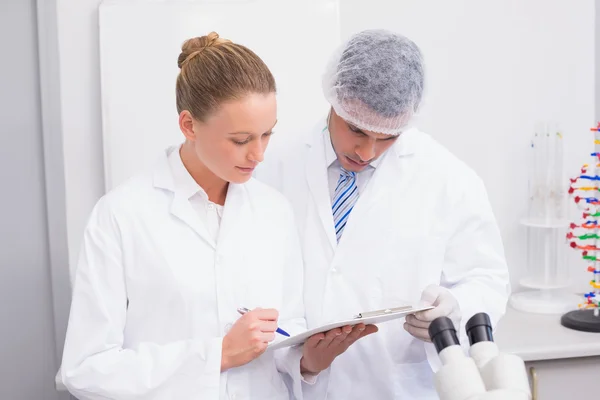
{"points": [[445, 306]]}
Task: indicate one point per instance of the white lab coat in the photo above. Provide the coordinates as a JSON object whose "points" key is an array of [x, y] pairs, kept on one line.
{"points": [[154, 294], [424, 218]]}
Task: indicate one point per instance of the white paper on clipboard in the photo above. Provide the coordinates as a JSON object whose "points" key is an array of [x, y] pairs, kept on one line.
{"points": [[367, 318]]}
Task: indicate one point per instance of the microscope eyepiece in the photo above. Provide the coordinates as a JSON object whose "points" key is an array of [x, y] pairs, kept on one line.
{"points": [[479, 329], [442, 333]]}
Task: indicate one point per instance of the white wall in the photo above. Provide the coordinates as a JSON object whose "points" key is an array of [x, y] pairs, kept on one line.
{"points": [[81, 120], [28, 359], [494, 68], [126, 107]]}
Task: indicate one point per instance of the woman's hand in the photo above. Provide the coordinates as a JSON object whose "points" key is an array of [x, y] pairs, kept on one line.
{"points": [[248, 337]]}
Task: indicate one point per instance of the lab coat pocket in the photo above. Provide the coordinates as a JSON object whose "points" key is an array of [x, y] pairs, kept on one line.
{"points": [[414, 263]]}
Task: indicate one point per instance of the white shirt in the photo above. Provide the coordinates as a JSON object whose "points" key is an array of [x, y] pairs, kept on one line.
{"points": [[210, 213], [334, 169]]}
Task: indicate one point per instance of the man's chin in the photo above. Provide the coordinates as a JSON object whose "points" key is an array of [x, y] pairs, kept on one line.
{"points": [[353, 166]]}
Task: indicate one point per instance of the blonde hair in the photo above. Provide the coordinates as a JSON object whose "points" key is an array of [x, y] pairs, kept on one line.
{"points": [[214, 70]]}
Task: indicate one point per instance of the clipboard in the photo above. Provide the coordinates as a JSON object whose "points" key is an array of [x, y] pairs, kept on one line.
{"points": [[368, 318]]}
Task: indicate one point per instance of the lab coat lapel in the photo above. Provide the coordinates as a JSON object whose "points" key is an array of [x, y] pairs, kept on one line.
{"points": [[316, 176], [181, 206], [392, 175], [236, 214], [182, 209]]}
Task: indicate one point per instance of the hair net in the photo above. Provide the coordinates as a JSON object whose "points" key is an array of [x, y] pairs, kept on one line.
{"points": [[375, 81]]}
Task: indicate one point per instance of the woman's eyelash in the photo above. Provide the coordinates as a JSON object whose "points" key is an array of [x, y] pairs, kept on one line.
{"points": [[242, 143], [250, 138]]}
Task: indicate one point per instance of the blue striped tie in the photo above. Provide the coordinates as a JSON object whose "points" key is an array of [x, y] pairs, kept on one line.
{"points": [[344, 199]]}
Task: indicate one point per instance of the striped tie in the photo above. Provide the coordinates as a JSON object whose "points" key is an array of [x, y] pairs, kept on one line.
{"points": [[346, 194]]}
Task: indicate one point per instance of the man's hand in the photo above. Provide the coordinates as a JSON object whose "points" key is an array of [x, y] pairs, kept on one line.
{"points": [[445, 306], [321, 349]]}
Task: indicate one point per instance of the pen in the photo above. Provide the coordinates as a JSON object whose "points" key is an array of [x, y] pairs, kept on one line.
{"points": [[244, 310]]}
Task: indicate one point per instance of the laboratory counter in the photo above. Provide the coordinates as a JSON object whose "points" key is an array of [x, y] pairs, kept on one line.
{"points": [[562, 363]]}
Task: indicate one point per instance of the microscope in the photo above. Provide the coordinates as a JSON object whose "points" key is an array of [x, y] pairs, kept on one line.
{"points": [[486, 374]]}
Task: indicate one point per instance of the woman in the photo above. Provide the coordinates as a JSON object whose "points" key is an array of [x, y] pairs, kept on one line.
{"points": [[170, 256]]}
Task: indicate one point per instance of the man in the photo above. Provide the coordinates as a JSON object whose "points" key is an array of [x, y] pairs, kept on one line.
{"points": [[387, 217]]}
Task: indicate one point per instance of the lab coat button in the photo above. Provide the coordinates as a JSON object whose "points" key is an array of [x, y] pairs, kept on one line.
{"points": [[334, 270], [228, 328], [210, 207]]}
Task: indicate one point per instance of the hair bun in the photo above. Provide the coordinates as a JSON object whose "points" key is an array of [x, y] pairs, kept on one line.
{"points": [[194, 46]]}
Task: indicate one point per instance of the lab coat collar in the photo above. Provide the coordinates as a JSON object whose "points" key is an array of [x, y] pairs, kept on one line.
{"points": [[396, 172], [407, 143], [169, 175], [316, 177], [236, 203], [388, 169], [162, 177], [184, 183]]}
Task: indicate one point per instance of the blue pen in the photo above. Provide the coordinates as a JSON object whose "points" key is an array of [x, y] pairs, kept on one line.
{"points": [[244, 310]]}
